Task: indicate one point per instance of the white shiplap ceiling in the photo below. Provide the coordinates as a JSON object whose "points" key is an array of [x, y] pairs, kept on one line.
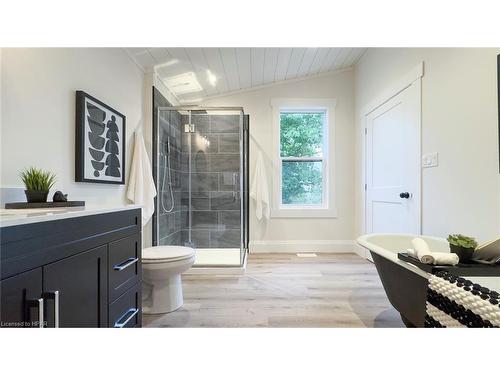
{"points": [[209, 72]]}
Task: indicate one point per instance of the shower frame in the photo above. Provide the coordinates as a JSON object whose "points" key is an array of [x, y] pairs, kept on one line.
{"points": [[243, 178]]}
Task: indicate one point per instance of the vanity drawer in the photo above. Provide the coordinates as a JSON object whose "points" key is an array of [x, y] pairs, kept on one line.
{"points": [[124, 260], [125, 312]]}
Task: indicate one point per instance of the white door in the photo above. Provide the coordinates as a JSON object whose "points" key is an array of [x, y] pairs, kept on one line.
{"points": [[393, 164]]}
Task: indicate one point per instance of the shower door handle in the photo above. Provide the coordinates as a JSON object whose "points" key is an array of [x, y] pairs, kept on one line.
{"points": [[235, 184]]}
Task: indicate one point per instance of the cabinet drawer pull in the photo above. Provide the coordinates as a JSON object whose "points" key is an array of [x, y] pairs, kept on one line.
{"points": [[125, 264], [54, 294], [133, 312], [38, 303]]}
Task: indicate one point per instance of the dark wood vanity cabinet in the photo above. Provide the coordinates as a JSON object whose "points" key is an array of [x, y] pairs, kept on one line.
{"points": [[79, 272], [21, 300], [80, 282]]}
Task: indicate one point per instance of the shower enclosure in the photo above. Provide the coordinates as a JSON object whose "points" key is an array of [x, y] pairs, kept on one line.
{"points": [[201, 172]]}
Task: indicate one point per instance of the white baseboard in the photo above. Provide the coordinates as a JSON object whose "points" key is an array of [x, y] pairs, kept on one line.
{"points": [[303, 246]]}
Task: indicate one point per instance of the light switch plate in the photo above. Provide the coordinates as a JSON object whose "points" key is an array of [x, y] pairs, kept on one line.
{"points": [[430, 160]]}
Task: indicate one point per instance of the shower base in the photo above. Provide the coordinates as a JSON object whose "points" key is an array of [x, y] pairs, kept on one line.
{"points": [[220, 261]]}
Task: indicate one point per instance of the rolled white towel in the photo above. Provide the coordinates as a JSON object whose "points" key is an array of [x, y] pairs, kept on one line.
{"points": [[445, 259], [422, 251]]}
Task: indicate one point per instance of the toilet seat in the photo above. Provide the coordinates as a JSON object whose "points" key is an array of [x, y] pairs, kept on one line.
{"points": [[165, 254]]}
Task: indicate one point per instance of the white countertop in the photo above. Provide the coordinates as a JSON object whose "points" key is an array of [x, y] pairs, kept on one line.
{"points": [[11, 217]]}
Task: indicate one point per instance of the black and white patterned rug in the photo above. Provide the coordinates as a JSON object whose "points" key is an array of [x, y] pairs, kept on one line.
{"points": [[454, 302]]}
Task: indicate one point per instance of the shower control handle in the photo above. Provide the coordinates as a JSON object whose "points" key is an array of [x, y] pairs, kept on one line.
{"points": [[404, 195]]}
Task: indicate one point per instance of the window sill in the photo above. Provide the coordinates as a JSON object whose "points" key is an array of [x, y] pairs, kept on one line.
{"points": [[304, 213]]}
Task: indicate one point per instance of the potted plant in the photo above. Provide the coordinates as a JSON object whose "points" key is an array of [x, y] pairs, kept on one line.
{"points": [[463, 246], [37, 183]]}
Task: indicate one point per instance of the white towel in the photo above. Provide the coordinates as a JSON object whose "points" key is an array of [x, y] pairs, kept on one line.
{"points": [[445, 259], [141, 186], [422, 252], [260, 190]]}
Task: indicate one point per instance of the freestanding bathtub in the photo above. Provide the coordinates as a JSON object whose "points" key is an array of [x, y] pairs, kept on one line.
{"points": [[404, 283]]}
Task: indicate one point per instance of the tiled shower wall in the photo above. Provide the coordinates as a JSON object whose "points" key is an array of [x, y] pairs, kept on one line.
{"points": [[169, 224], [215, 181]]}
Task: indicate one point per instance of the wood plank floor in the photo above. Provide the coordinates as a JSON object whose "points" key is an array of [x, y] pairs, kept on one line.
{"points": [[284, 290]]}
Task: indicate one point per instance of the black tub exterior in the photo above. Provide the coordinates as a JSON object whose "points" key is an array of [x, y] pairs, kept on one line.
{"points": [[406, 290]]}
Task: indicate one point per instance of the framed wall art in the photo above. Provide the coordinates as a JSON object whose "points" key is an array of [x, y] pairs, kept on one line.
{"points": [[100, 142]]}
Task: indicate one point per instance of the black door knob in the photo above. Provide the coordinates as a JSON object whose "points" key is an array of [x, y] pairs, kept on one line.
{"points": [[404, 195]]}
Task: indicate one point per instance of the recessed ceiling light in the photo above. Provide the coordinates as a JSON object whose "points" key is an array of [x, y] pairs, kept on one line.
{"points": [[183, 83], [167, 64], [211, 78]]}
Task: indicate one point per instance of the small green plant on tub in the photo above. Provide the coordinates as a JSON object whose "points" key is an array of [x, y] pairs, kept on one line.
{"points": [[463, 246]]}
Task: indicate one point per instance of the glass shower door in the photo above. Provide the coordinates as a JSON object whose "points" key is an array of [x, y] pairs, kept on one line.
{"points": [[214, 184]]}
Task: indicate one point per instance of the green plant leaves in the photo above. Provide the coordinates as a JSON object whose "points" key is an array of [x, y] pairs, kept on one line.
{"points": [[301, 134], [37, 180], [462, 241]]}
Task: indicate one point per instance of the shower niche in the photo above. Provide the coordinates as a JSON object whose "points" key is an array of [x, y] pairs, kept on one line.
{"points": [[201, 174]]}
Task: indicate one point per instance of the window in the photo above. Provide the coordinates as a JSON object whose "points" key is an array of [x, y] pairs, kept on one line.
{"points": [[302, 162], [302, 142]]}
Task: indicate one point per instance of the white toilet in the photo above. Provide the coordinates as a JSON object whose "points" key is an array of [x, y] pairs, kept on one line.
{"points": [[161, 277]]}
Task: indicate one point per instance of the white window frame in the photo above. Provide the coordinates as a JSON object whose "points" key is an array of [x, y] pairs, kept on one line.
{"points": [[327, 208]]}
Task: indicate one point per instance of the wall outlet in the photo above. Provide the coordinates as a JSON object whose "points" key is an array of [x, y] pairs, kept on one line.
{"points": [[430, 160]]}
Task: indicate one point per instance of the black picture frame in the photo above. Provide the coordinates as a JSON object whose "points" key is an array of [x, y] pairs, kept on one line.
{"points": [[99, 143]]}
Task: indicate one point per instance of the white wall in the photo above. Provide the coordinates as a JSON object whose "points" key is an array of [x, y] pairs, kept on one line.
{"points": [[38, 111], [296, 234], [459, 120]]}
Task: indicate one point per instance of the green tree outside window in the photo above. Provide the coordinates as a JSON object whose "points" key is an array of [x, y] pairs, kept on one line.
{"points": [[301, 135]]}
